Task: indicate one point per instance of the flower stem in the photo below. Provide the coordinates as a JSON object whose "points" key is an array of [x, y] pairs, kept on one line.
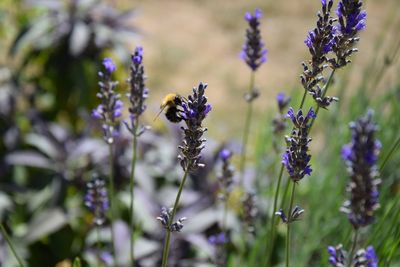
{"points": [[224, 229], [269, 252], [10, 244], [171, 219], [325, 89], [246, 130], [132, 191], [278, 185], [394, 147], [288, 225], [112, 204], [98, 243], [353, 248]]}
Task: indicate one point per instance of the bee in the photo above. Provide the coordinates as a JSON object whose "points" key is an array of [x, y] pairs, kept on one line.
{"points": [[172, 103]]}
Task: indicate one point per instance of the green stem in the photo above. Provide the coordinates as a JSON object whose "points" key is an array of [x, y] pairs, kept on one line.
{"points": [[171, 219], [246, 130], [224, 228], [288, 225], [10, 244], [132, 191], [353, 248], [324, 91], [112, 204], [98, 244], [278, 185], [394, 147], [270, 250]]}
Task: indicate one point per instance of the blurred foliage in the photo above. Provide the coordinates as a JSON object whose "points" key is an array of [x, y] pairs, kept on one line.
{"points": [[57, 44], [47, 156]]}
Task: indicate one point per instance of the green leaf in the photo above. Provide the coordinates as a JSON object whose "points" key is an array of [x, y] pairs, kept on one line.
{"points": [[77, 262]]}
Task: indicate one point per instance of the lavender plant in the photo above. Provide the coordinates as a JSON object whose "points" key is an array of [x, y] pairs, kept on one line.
{"points": [[193, 111], [254, 55], [137, 96], [96, 199], [326, 38], [108, 113], [363, 257]]}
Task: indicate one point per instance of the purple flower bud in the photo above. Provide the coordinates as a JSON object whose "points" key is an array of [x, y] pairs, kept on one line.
{"points": [[109, 65], [225, 154]]}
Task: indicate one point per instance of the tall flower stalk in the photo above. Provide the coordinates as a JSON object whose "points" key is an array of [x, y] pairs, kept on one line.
{"points": [[108, 113], [331, 44], [136, 95], [360, 156], [11, 245], [193, 111], [96, 199], [254, 54]]}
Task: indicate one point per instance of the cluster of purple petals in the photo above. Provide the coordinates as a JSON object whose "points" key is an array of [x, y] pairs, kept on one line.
{"points": [[296, 158], [337, 256], [111, 106], [138, 92], [351, 18], [282, 101], [363, 257], [253, 51], [372, 259], [218, 239], [321, 39], [96, 200], [194, 110], [360, 157]]}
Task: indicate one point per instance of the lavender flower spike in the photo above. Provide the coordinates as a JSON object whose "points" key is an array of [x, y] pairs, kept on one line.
{"points": [[138, 92], [360, 157], [352, 20], [96, 200], [195, 110], [320, 42], [111, 106], [253, 51], [296, 158]]}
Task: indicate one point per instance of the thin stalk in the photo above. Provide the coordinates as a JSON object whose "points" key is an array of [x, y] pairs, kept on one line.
{"points": [[353, 248], [171, 219], [112, 204], [224, 229], [278, 185], [98, 243], [270, 248], [288, 225], [246, 130], [394, 147], [132, 191], [325, 89], [11, 245]]}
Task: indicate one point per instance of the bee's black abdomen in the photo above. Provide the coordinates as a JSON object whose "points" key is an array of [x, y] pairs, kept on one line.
{"points": [[173, 114]]}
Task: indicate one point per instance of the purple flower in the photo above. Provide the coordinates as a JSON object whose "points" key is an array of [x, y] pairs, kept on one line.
{"points": [[225, 154], [253, 51], [111, 106], [96, 200], [296, 158], [109, 65], [138, 92], [360, 157], [336, 256], [351, 20], [282, 101], [195, 110], [217, 240], [372, 259]]}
